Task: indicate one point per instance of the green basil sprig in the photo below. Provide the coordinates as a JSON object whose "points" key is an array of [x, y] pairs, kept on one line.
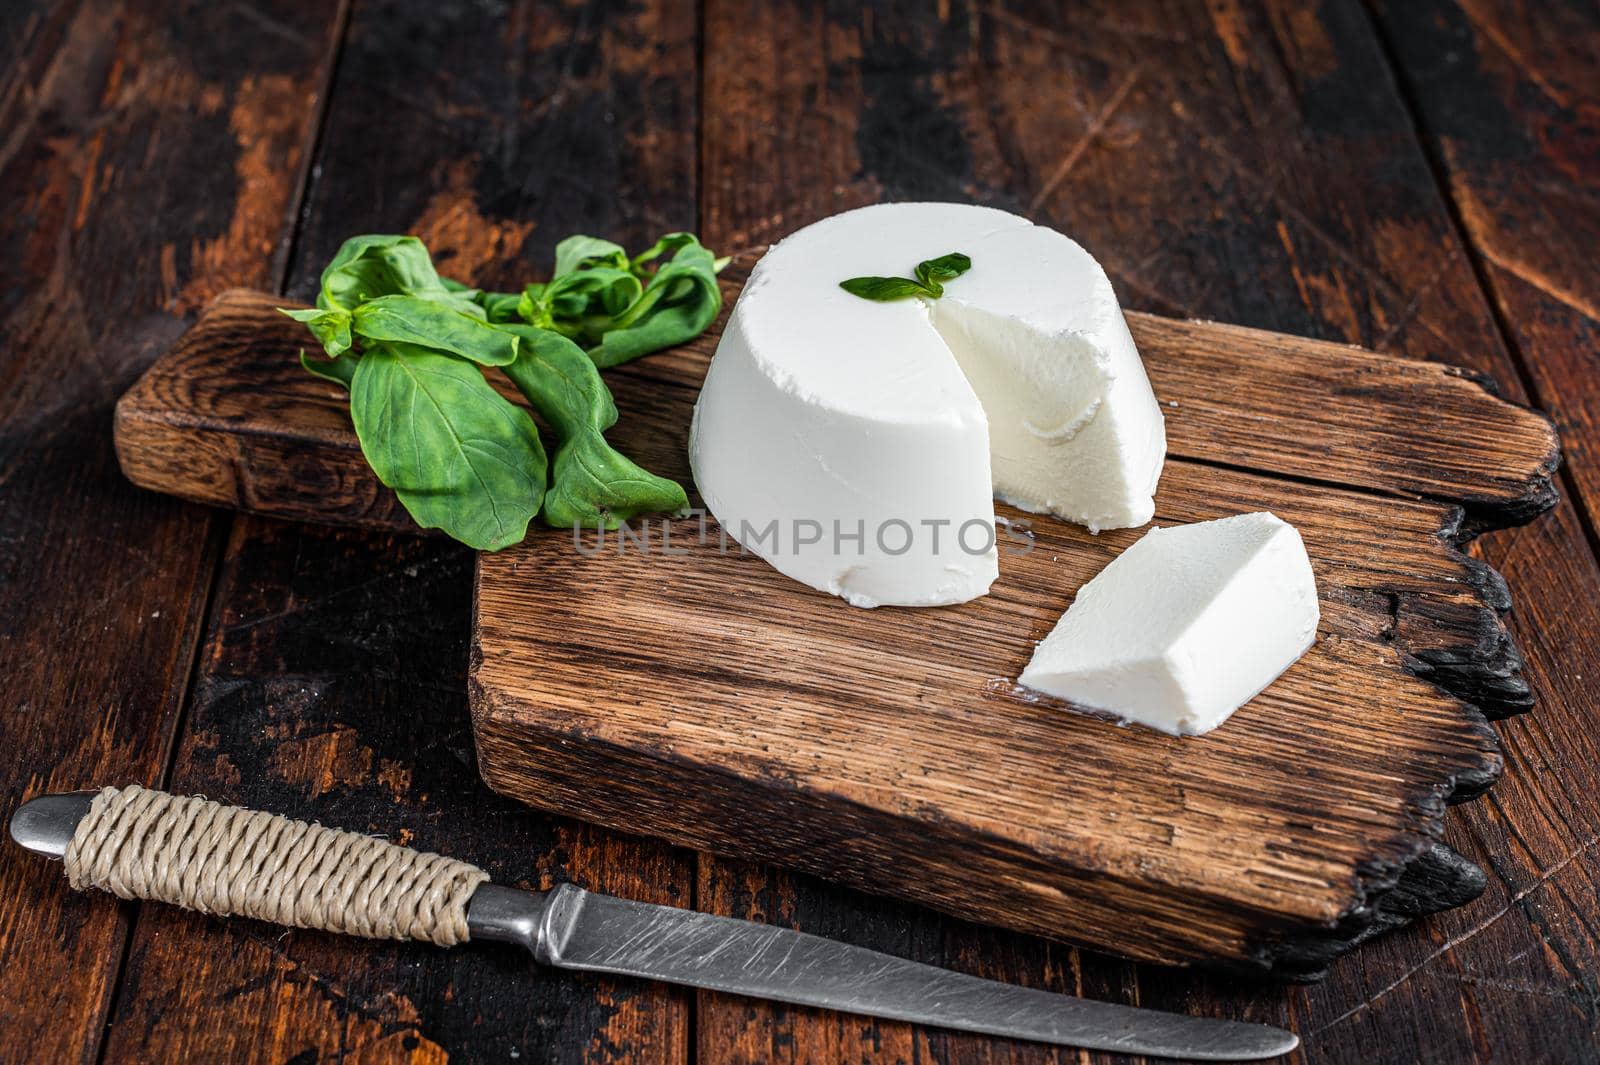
{"points": [[411, 347], [615, 307], [419, 320], [931, 274], [590, 482], [460, 457]]}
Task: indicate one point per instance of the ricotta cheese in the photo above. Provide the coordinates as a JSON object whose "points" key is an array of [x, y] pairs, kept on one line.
{"points": [[858, 446], [1185, 626]]}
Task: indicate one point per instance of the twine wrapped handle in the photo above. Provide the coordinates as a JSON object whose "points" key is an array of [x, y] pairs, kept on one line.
{"points": [[142, 844]]}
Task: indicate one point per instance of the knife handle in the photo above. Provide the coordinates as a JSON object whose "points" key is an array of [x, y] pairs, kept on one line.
{"points": [[138, 843]]}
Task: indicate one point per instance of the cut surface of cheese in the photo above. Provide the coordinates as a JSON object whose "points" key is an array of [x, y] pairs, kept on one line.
{"points": [[858, 446], [1185, 626]]}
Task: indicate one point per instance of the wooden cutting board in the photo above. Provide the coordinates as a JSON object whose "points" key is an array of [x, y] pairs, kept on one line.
{"points": [[689, 692]]}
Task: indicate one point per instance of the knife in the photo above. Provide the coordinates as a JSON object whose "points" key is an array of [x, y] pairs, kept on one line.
{"points": [[203, 855]]}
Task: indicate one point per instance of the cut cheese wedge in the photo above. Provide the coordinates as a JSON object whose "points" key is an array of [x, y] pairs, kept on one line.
{"points": [[858, 446], [1185, 626]]}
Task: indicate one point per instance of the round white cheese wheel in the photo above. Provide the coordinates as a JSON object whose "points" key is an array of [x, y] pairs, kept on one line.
{"points": [[858, 446]]}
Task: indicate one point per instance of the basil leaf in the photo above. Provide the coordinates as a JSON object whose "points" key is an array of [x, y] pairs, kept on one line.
{"points": [[499, 306], [534, 307], [680, 302], [376, 265], [339, 371], [611, 292], [667, 244], [580, 252], [496, 306], [621, 308], [414, 320], [931, 275], [883, 289], [459, 455], [944, 268], [560, 382], [592, 485], [330, 327], [580, 303]]}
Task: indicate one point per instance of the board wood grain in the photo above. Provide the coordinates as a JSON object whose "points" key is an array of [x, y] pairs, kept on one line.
{"points": [[701, 696], [888, 748]]}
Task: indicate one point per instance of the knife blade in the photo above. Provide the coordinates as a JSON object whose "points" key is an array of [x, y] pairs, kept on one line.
{"points": [[570, 928]]}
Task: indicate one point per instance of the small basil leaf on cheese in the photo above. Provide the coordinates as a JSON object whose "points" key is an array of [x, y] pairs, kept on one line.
{"points": [[944, 268], [883, 289], [931, 275]]}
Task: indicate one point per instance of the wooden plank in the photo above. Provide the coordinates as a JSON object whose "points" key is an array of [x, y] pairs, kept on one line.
{"points": [[331, 681], [1246, 162], [229, 418], [1500, 93], [102, 117], [234, 385], [787, 735]]}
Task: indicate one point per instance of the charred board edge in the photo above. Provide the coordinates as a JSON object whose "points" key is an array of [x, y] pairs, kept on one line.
{"points": [[1433, 879], [1485, 678], [1487, 673], [1481, 515]]}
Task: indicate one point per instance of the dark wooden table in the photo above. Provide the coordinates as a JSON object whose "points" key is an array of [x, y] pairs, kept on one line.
{"points": [[1418, 176]]}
